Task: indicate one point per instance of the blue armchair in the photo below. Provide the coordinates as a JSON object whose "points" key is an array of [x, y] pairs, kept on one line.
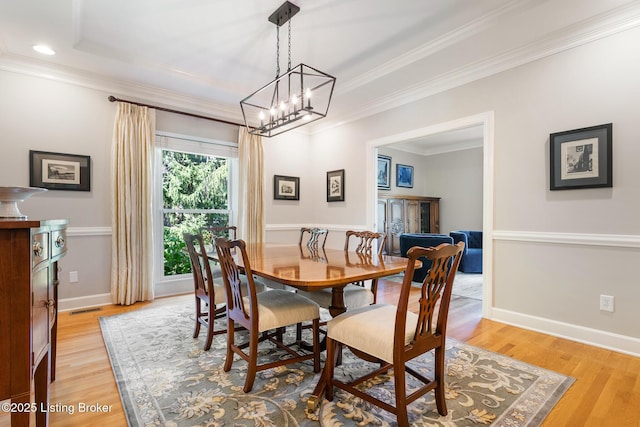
{"points": [[425, 240], [471, 261]]}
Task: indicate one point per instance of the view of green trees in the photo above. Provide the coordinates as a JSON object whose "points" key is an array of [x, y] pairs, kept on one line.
{"points": [[192, 186]]}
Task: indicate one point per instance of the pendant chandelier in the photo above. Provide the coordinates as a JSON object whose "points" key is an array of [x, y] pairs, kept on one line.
{"points": [[298, 97]]}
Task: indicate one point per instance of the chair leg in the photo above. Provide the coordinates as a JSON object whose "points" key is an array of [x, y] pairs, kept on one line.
{"points": [[399, 379], [299, 333], [329, 365], [316, 345], [210, 329], [441, 403], [228, 361], [252, 362], [374, 290], [198, 314]]}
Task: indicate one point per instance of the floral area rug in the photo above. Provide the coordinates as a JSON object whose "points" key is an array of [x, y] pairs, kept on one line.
{"points": [[166, 379]]}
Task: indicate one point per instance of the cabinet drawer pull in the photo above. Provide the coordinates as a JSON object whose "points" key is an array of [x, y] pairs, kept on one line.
{"points": [[37, 249], [51, 305], [59, 242]]}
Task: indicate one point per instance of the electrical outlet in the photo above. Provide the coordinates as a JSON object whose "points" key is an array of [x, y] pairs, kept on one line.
{"points": [[606, 303], [73, 277]]}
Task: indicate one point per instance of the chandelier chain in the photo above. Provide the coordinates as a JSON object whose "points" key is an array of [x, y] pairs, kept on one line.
{"points": [[277, 52], [289, 64]]}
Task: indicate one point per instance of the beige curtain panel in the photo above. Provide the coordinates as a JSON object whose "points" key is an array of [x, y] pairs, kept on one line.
{"points": [[250, 206], [131, 197]]}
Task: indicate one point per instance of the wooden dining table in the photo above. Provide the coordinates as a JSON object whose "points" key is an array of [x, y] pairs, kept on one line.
{"points": [[311, 269]]}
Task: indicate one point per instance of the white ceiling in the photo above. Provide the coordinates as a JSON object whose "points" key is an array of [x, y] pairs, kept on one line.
{"points": [[205, 56]]}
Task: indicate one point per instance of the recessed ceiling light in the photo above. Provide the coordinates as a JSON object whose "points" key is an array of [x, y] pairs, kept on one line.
{"points": [[45, 50]]}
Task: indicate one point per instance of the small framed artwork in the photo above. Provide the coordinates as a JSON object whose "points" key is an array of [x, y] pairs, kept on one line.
{"points": [[335, 186], [286, 187], [404, 176], [384, 172], [581, 158], [59, 171]]}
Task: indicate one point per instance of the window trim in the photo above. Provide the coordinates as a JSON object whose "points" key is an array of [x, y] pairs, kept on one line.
{"points": [[166, 285]]}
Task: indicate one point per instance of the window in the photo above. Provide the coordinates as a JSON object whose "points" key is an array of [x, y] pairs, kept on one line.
{"points": [[194, 188]]}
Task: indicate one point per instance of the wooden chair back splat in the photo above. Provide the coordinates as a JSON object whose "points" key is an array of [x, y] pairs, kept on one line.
{"points": [[317, 237], [365, 240], [364, 248]]}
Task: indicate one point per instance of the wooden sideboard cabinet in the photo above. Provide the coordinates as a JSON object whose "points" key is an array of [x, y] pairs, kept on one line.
{"points": [[406, 214], [29, 254]]}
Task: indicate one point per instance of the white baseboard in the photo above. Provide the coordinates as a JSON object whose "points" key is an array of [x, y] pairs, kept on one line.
{"points": [[70, 304], [611, 341]]}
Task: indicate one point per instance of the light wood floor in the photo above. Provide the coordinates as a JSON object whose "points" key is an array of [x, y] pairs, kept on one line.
{"points": [[606, 391]]}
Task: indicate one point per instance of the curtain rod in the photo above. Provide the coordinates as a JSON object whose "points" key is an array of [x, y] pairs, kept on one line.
{"points": [[169, 110]]}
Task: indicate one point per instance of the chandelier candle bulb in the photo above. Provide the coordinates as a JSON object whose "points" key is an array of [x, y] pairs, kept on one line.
{"points": [[307, 95]]}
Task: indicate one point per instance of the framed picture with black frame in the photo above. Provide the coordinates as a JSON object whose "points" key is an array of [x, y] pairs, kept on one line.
{"points": [[581, 158], [384, 172], [335, 186], [286, 187], [404, 176], [59, 171]]}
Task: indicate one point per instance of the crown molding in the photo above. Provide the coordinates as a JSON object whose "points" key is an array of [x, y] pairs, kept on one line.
{"points": [[436, 45], [612, 22], [617, 20], [120, 88]]}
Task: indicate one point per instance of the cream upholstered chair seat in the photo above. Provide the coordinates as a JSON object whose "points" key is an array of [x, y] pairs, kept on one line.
{"points": [[354, 296], [371, 329], [278, 308]]}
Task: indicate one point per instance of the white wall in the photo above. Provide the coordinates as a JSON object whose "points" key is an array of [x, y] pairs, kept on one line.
{"points": [[553, 248], [420, 173], [46, 115], [456, 177], [43, 115]]}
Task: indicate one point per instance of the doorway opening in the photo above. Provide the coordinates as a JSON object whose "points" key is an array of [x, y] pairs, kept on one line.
{"points": [[483, 120]]}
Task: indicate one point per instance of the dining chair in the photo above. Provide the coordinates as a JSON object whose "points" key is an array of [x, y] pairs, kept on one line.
{"points": [[316, 239], [394, 336], [265, 315], [366, 241], [210, 295], [207, 292], [355, 294]]}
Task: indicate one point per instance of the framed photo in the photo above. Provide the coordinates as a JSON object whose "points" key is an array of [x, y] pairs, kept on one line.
{"points": [[384, 172], [581, 158], [286, 187], [59, 171], [335, 186], [404, 176]]}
